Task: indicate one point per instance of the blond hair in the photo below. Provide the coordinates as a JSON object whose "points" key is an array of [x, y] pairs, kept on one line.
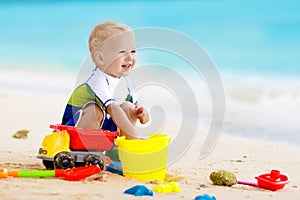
{"points": [[103, 31]]}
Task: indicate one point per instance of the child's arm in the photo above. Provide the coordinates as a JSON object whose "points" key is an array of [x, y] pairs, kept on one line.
{"points": [[122, 121]]}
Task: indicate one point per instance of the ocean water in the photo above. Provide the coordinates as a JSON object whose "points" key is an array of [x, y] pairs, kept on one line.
{"points": [[243, 36], [254, 44]]}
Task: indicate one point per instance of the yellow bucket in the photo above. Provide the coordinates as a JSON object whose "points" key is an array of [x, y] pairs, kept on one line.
{"points": [[144, 160]]}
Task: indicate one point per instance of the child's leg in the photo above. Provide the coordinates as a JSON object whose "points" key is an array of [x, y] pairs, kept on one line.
{"points": [[92, 117], [129, 111]]}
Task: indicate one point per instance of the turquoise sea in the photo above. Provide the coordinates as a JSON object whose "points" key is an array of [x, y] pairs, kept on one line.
{"points": [[255, 45], [245, 36]]}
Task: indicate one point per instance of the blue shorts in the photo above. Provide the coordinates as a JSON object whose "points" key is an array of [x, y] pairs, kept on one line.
{"points": [[108, 123]]}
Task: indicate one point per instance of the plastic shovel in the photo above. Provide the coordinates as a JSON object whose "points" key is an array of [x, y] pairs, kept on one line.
{"points": [[72, 174], [79, 173], [271, 181]]}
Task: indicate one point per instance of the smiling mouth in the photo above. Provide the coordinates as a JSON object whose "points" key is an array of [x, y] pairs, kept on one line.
{"points": [[126, 66]]}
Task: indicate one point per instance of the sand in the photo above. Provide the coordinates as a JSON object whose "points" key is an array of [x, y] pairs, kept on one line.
{"points": [[35, 110]]}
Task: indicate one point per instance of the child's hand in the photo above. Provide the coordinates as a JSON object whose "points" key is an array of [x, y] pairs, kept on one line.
{"points": [[141, 113]]}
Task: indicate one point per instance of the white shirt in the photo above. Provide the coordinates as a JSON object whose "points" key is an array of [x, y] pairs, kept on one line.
{"points": [[103, 86]]}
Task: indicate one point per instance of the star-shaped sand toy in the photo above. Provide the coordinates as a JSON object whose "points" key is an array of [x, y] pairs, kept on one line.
{"points": [[139, 190]]}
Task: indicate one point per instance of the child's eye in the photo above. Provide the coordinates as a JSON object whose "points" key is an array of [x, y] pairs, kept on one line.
{"points": [[123, 52]]}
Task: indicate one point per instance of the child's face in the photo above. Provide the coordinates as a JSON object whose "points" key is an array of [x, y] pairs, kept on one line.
{"points": [[118, 54]]}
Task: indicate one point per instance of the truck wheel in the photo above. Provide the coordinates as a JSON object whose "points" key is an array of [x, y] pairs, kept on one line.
{"points": [[48, 164], [93, 159], [63, 160]]}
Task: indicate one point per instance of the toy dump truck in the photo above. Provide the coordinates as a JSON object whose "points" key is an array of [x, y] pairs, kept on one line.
{"points": [[68, 146]]}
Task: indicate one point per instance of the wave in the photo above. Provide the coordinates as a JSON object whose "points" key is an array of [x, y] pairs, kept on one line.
{"points": [[263, 107], [259, 88]]}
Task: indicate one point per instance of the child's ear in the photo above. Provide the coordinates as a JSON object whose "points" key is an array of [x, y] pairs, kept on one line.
{"points": [[98, 58]]}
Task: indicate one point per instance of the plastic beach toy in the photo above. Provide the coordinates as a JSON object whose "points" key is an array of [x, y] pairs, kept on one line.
{"points": [[167, 187], [79, 173], [205, 197], [115, 167], [69, 146], [72, 174], [270, 181], [144, 160], [139, 190]]}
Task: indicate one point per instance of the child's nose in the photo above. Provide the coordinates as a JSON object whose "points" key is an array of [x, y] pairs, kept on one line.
{"points": [[129, 56]]}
